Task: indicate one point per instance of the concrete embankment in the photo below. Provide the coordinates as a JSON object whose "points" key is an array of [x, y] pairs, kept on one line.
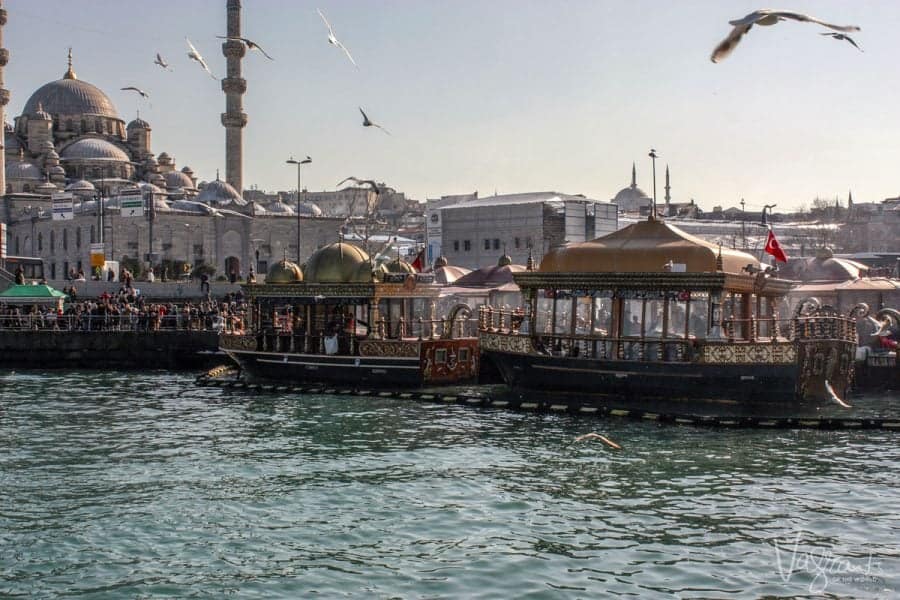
{"points": [[49, 349]]}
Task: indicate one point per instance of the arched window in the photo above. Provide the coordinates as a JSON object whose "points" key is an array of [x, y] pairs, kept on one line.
{"points": [[93, 235], [18, 248], [78, 237], [65, 239], [52, 241], [40, 242]]}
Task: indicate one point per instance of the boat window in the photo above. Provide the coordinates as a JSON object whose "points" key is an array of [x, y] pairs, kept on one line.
{"points": [[632, 317], [563, 316], [698, 323], [463, 355], [602, 316], [543, 312], [583, 316], [677, 312], [440, 356]]}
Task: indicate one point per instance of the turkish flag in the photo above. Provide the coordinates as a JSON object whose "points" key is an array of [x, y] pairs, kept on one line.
{"points": [[419, 263], [774, 248]]}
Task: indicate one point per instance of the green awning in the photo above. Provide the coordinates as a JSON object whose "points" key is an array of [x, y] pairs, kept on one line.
{"points": [[31, 294]]}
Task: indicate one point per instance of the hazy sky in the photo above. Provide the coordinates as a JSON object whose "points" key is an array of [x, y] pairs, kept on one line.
{"points": [[500, 95]]}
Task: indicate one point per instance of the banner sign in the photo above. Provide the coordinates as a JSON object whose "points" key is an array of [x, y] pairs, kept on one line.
{"points": [[98, 256], [131, 206], [63, 206]]}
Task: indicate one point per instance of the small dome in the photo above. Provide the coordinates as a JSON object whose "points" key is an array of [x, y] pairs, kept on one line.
{"points": [[138, 123], [177, 179], [52, 153], [309, 209], [505, 260], [46, 188], [40, 114], [280, 208], [339, 263], [284, 271], [94, 149], [188, 171], [440, 261], [164, 158], [151, 161], [448, 274], [220, 193], [47, 146], [17, 169], [57, 170], [81, 186], [399, 266]]}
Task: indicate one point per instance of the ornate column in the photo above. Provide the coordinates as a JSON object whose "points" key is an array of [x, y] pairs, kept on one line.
{"points": [[234, 119]]}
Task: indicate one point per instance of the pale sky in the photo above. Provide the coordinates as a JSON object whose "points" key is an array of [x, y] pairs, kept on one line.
{"points": [[500, 95]]}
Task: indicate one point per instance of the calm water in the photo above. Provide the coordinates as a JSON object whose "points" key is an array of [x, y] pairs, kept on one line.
{"points": [[143, 485]]}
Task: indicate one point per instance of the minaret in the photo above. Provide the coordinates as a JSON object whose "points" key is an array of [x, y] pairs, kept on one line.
{"points": [[4, 100], [668, 188], [234, 119], [633, 176]]}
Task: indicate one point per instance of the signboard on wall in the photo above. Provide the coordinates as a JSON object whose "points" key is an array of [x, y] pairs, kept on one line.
{"points": [[98, 257], [63, 206], [131, 207]]}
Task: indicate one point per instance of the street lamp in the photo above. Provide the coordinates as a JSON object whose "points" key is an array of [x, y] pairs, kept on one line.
{"points": [[293, 161], [652, 155]]}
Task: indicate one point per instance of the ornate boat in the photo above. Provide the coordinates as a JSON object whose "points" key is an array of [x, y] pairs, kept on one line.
{"points": [[876, 358], [343, 322], [650, 315]]}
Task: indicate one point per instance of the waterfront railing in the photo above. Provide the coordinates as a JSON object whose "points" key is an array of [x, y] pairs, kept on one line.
{"points": [[106, 323]]}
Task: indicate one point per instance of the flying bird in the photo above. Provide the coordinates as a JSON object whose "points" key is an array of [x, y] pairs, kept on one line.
{"points": [[194, 55], [357, 181], [251, 45], [332, 39], [765, 17], [162, 62], [841, 36], [131, 88], [367, 122]]}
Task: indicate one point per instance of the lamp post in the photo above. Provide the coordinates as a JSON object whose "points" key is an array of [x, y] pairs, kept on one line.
{"points": [[653, 157], [293, 161]]}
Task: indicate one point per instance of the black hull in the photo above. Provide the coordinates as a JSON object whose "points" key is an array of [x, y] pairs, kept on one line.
{"points": [[664, 387], [350, 371]]}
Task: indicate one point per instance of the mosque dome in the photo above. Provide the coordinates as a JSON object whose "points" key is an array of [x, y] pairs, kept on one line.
{"points": [[70, 96], [17, 169], [46, 188], [504, 260], [138, 123], [284, 271], [309, 209], [81, 186], [220, 192], [94, 149], [177, 179], [279, 208], [339, 263], [632, 198]]}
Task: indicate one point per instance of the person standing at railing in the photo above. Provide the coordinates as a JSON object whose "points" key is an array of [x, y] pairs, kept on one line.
{"points": [[20, 275]]}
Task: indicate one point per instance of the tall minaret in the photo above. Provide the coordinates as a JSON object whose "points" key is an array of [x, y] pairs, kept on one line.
{"points": [[4, 100], [668, 188], [234, 119], [633, 176]]}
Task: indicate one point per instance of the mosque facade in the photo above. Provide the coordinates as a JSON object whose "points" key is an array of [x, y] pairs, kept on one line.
{"points": [[70, 138]]}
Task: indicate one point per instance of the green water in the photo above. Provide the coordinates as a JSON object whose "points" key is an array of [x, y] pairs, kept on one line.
{"points": [[144, 485]]}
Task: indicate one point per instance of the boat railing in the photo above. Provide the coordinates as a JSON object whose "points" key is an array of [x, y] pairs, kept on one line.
{"points": [[107, 323], [427, 329]]}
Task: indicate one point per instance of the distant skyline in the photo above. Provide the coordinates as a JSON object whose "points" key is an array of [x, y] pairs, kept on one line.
{"points": [[506, 96]]}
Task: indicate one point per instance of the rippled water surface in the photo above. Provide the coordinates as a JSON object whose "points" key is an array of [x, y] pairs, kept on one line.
{"points": [[143, 485]]}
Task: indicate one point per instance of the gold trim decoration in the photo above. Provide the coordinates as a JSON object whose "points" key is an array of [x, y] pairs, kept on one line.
{"points": [[735, 354], [389, 348], [512, 344]]}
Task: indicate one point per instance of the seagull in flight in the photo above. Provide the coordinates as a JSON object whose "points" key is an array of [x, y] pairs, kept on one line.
{"points": [[765, 17], [194, 55], [841, 36], [332, 39], [597, 436], [367, 122], [162, 62], [375, 187], [251, 45], [131, 88]]}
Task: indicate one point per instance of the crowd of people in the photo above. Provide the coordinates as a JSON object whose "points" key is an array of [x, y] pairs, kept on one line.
{"points": [[127, 310]]}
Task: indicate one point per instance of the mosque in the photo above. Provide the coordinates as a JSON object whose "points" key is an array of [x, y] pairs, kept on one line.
{"points": [[70, 138]]}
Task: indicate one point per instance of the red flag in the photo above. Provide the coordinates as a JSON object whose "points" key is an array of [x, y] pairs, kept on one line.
{"points": [[419, 263], [774, 248]]}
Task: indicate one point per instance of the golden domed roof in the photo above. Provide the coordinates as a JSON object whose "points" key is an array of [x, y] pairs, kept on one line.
{"points": [[651, 246], [339, 263], [284, 271], [399, 266]]}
